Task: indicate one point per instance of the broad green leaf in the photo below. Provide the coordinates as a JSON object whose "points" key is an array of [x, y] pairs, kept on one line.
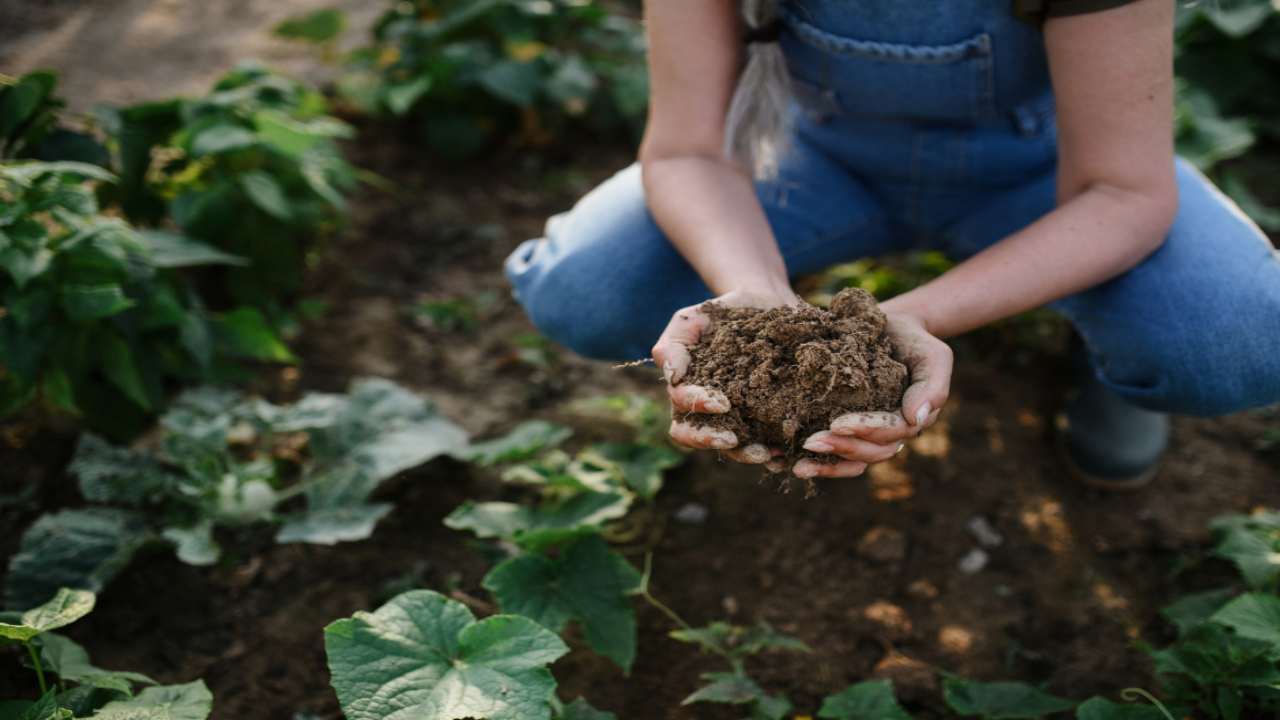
{"points": [[289, 136], [526, 440], [70, 662], [546, 524], [119, 367], [376, 431], [1204, 137], [25, 173], [587, 583], [319, 26], [401, 97], [194, 545], [46, 708], [1211, 654], [770, 707], [513, 81], [1255, 616], [329, 526], [191, 701], [1192, 610], [723, 687], [580, 709], [171, 250], [24, 266], [1251, 543], [641, 466], [115, 474], [868, 700], [20, 101], [1102, 709], [86, 303], [1001, 700], [82, 549], [423, 656], [58, 390], [66, 607], [266, 193], [1240, 20], [217, 139], [246, 333]]}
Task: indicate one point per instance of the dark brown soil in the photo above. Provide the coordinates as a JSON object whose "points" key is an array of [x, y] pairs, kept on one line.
{"points": [[789, 371]]}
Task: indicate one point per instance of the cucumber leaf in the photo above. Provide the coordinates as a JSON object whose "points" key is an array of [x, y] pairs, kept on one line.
{"points": [[587, 583], [1001, 700], [868, 700], [191, 701], [423, 656], [63, 609]]}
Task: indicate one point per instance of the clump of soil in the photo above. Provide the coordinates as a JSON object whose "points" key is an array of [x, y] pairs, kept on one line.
{"points": [[789, 371]]}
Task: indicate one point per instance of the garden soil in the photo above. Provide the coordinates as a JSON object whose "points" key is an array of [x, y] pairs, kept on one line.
{"points": [[789, 371], [869, 575]]}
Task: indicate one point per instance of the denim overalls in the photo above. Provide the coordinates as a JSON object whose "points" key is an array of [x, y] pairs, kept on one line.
{"points": [[931, 125]]}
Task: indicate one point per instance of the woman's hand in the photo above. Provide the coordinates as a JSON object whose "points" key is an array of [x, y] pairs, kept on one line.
{"points": [[862, 438], [672, 355]]}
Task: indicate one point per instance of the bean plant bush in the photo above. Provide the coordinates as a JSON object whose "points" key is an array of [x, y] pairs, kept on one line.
{"points": [[94, 320], [252, 168], [470, 73]]}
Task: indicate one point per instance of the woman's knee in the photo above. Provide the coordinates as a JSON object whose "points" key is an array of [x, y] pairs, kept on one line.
{"points": [[603, 278], [1218, 353]]}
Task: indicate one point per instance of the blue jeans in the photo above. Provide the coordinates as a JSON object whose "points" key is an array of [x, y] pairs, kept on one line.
{"points": [[939, 134]]}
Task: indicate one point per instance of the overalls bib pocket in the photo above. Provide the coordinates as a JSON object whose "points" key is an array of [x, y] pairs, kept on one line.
{"points": [[944, 83]]}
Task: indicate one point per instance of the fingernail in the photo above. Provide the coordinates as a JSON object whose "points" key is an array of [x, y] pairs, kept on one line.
{"points": [[803, 470], [722, 441], [667, 372], [818, 446], [923, 413], [715, 404], [901, 445]]}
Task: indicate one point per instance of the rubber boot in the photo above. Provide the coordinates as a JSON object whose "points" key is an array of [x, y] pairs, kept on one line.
{"points": [[1108, 442]]}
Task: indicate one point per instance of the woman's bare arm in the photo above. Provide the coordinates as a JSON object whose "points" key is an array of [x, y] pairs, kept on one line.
{"points": [[705, 203], [1117, 195]]}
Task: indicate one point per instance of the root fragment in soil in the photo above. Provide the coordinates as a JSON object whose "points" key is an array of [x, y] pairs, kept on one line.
{"points": [[789, 371]]}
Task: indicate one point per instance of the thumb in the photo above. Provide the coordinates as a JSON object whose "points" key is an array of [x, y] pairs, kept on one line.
{"points": [[671, 353], [930, 365]]}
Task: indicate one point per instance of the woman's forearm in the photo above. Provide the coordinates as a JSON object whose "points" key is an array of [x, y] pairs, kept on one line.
{"points": [[1095, 236], [708, 208]]}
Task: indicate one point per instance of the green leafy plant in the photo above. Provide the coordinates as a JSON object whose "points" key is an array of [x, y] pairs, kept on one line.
{"points": [[222, 460], [1227, 61], [469, 73], [83, 690], [252, 168], [32, 124], [735, 644], [93, 317]]}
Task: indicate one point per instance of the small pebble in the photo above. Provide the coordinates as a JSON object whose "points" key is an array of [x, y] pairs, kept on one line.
{"points": [[985, 533], [692, 514], [974, 562]]}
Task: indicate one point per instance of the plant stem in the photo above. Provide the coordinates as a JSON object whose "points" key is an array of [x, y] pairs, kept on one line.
{"points": [[1131, 695], [644, 592], [35, 662]]}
